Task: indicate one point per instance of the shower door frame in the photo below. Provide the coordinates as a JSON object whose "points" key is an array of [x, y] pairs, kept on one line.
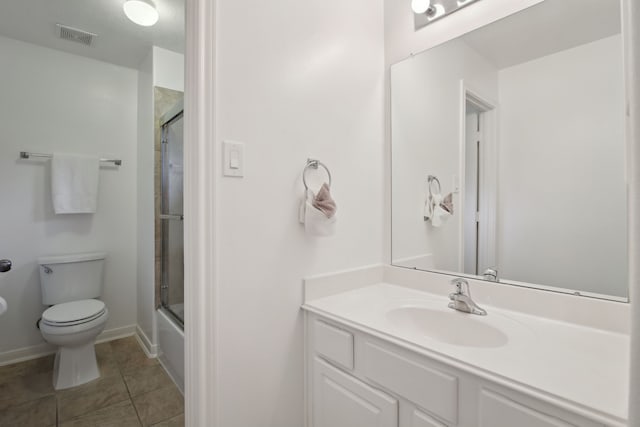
{"points": [[176, 113]]}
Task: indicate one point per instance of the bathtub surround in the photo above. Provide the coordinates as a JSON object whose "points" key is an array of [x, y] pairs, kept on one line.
{"points": [[83, 106]]}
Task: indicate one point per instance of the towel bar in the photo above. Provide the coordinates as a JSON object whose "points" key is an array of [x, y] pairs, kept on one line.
{"points": [[314, 164], [26, 155]]}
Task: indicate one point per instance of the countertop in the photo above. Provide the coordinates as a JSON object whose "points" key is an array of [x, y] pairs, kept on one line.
{"points": [[582, 369]]}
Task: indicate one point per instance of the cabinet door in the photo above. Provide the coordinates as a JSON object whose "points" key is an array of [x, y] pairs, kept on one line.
{"points": [[340, 400], [499, 411]]}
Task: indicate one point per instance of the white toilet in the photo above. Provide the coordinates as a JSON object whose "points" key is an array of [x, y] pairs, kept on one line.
{"points": [[70, 285]]}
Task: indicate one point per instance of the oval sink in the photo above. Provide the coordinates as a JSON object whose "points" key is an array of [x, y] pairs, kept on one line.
{"points": [[451, 327]]}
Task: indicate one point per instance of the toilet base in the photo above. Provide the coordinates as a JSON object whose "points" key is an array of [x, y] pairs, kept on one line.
{"points": [[74, 366]]}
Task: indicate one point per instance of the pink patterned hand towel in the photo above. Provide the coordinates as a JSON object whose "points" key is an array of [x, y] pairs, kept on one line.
{"points": [[324, 202]]}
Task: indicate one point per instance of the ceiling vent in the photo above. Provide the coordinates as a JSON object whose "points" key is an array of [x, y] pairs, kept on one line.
{"points": [[75, 35]]}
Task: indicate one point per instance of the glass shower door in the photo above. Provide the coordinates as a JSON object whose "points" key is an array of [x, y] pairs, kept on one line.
{"points": [[172, 288]]}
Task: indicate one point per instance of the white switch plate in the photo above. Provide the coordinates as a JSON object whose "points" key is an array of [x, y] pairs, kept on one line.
{"points": [[233, 158]]}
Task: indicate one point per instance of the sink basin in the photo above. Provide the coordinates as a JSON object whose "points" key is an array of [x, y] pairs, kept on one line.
{"points": [[447, 326]]}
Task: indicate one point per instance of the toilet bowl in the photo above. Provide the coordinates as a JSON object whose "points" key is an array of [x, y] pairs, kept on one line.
{"points": [[71, 285], [73, 327]]}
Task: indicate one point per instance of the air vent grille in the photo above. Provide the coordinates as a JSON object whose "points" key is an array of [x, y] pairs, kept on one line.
{"points": [[75, 35]]}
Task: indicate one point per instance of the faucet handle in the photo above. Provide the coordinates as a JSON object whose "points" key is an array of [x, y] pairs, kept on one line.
{"points": [[461, 284], [491, 274]]}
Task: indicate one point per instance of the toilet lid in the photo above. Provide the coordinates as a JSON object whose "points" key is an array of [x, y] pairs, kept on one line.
{"points": [[73, 312]]}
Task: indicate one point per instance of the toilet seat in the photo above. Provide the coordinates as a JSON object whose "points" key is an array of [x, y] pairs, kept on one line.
{"points": [[73, 313]]}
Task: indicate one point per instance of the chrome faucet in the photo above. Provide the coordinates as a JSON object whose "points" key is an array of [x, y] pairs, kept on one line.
{"points": [[491, 274], [461, 298]]}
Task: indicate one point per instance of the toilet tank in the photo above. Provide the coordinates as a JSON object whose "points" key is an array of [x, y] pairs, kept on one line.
{"points": [[65, 278]]}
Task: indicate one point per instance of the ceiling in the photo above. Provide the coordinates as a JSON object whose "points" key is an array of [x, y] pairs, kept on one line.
{"points": [[119, 40], [546, 28]]}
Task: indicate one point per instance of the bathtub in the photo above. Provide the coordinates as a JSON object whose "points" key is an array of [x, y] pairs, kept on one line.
{"points": [[171, 347]]}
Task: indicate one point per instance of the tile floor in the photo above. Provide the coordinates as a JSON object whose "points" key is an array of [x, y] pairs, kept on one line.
{"points": [[132, 391]]}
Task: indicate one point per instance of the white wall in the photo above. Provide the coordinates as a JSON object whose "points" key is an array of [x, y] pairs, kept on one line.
{"points": [[54, 101], [146, 209], [168, 69], [562, 216], [294, 80], [426, 130]]}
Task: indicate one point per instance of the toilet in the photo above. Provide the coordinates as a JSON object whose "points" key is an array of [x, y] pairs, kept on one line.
{"points": [[71, 285]]}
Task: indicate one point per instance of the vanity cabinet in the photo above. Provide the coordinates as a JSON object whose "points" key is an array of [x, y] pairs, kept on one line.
{"points": [[358, 380], [341, 400]]}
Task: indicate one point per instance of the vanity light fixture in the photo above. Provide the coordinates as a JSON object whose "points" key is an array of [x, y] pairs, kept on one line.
{"points": [[428, 11], [422, 6], [142, 12]]}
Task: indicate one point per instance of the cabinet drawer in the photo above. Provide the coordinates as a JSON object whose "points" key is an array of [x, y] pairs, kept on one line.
{"points": [[333, 343], [432, 390], [340, 400], [499, 411], [420, 419]]}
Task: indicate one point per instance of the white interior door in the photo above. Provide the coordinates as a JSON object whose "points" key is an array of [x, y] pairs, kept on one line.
{"points": [[472, 196]]}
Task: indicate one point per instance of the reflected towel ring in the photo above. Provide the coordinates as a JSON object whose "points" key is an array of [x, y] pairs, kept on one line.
{"points": [[313, 164], [430, 180]]}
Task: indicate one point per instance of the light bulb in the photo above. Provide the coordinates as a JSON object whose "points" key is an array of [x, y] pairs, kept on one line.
{"points": [[420, 6], [142, 12]]}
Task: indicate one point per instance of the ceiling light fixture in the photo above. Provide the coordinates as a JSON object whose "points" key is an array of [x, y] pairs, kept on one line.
{"points": [[142, 12]]}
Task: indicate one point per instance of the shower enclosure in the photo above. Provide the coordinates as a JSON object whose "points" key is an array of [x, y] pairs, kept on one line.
{"points": [[171, 216]]}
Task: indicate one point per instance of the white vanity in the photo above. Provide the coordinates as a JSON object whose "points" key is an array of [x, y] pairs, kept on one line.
{"points": [[384, 350]]}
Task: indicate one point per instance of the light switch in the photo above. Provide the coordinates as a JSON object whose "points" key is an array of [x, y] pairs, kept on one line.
{"points": [[233, 158]]}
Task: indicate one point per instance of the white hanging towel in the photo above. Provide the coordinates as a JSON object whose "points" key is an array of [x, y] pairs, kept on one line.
{"points": [[318, 220], [438, 210], [74, 183]]}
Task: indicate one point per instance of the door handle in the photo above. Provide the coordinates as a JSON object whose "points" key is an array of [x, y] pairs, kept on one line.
{"points": [[174, 217], [5, 265]]}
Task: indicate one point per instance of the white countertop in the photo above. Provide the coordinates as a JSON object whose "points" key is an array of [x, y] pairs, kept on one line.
{"points": [[576, 367]]}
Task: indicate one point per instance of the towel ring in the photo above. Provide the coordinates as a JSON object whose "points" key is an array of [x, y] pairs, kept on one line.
{"points": [[313, 164], [430, 180]]}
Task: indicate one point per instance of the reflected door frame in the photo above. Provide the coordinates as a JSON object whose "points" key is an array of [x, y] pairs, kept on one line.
{"points": [[488, 177]]}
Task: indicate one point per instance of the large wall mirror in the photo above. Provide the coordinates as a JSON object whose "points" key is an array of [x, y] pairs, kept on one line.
{"points": [[508, 152]]}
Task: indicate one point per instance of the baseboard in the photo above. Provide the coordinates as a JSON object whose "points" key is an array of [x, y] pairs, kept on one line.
{"points": [[151, 350], [26, 353], [116, 333], [45, 349]]}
